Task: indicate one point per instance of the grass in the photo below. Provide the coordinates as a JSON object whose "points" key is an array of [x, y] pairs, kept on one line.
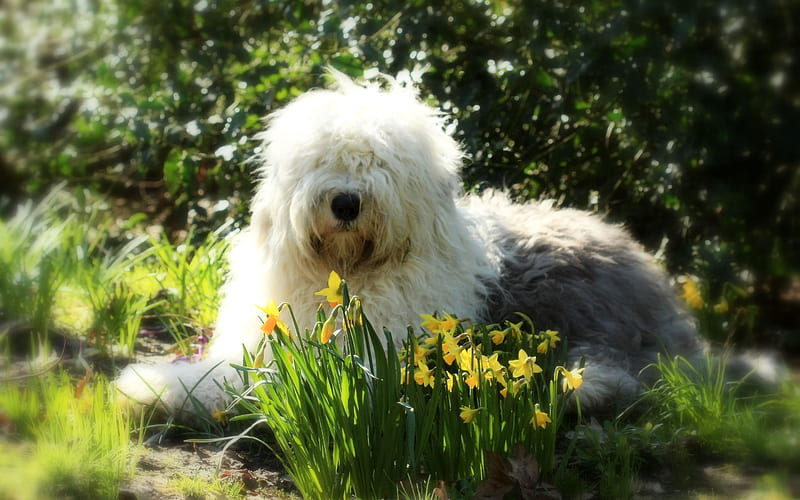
{"points": [[75, 291], [372, 421], [194, 488], [64, 439]]}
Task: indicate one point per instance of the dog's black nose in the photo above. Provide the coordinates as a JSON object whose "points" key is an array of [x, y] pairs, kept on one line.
{"points": [[346, 206]]}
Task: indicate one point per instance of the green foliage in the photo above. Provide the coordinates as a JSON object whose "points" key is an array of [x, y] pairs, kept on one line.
{"points": [[698, 400], [67, 440], [189, 276], [59, 270]]}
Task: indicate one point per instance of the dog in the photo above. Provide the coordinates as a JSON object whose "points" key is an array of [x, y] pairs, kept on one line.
{"points": [[362, 179]]}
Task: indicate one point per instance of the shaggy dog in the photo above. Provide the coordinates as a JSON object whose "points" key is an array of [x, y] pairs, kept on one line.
{"points": [[363, 180]]}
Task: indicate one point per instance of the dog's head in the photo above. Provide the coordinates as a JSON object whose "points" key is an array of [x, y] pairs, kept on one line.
{"points": [[355, 177]]}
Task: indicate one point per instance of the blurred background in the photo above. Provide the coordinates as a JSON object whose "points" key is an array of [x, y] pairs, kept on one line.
{"points": [[679, 119]]}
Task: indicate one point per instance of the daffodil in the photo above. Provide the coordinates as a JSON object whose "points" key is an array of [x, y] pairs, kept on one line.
{"points": [[524, 365], [691, 294], [435, 325], [572, 378], [498, 336], [333, 294], [466, 359], [468, 414], [450, 347], [354, 312], [423, 375], [493, 363], [430, 322], [472, 380], [273, 319], [468, 362], [220, 416], [328, 327], [421, 351], [540, 418], [515, 329], [549, 340], [492, 368], [502, 381], [259, 361]]}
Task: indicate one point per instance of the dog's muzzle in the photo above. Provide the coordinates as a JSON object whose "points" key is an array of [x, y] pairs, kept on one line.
{"points": [[346, 206]]}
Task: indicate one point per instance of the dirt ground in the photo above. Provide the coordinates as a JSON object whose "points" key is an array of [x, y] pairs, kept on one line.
{"points": [[159, 465]]}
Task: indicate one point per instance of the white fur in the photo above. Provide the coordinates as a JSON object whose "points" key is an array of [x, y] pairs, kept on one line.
{"points": [[415, 247]]}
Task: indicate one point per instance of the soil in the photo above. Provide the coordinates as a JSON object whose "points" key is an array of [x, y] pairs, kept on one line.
{"points": [[161, 464]]}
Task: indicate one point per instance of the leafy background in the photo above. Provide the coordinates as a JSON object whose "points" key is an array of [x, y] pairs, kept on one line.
{"points": [[679, 119]]}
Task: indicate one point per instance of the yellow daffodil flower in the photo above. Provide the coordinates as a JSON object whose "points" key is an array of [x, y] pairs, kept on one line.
{"points": [[572, 378], [354, 312], [450, 349], [524, 365], [498, 336], [328, 327], [333, 294], [435, 325], [493, 363], [549, 340], [492, 369], [540, 418], [421, 352], [220, 416], [502, 381], [273, 319], [467, 362], [468, 414], [516, 329], [423, 375], [691, 294]]}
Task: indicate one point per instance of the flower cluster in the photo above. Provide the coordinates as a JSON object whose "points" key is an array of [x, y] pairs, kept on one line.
{"points": [[334, 295], [510, 363], [453, 352]]}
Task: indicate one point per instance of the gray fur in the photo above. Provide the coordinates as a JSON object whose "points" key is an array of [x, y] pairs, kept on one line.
{"points": [[569, 271]]}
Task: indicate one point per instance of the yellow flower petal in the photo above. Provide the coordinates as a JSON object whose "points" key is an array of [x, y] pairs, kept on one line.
{"points": [[327, 329], [498, 336], [273, 319], [468, 414], [572, 378], [423, 375], [333, 293], [691, 294], [540, 418], [220, 416], [524, 366]]}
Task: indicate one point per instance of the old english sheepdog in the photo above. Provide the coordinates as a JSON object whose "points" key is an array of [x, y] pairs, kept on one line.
{"points": [[363, 179]]}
